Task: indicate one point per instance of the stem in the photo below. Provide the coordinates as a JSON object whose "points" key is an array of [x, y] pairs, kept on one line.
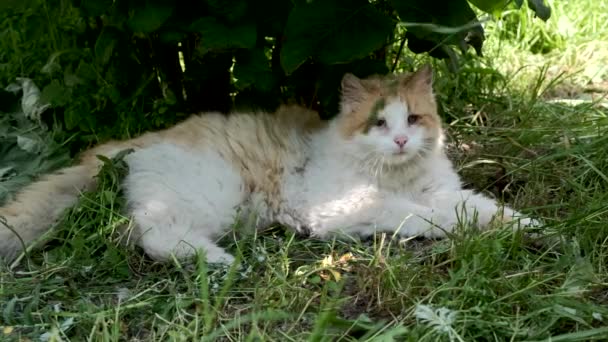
{"points": [[398, 54]]}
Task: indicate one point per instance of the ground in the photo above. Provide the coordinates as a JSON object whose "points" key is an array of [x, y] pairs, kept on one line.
{"points": [[528, 124]]}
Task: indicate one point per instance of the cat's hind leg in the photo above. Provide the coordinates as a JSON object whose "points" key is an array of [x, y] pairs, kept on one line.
{"points": [[181, 201], [163, 231]]}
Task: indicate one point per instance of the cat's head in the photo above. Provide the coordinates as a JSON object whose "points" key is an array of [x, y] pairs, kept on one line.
{"points": [[391, 119]]}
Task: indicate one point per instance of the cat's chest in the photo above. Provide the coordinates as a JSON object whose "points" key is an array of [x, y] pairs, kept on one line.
{"points": [[319, 182], [327, 183], [418, 190]]}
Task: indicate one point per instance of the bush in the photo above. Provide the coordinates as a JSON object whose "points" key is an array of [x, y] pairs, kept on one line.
{"points": [[110, 67]]}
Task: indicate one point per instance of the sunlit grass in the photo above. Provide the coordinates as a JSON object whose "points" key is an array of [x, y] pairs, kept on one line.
{"points": [[572, 46], [508, 137]]}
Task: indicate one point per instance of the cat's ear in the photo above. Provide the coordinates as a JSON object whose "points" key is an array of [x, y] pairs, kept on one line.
{"points": [[353, 93], [422, 79]]}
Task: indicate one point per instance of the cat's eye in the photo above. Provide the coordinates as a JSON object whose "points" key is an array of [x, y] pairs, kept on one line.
{"points": [[413, 119], [381, 123]]}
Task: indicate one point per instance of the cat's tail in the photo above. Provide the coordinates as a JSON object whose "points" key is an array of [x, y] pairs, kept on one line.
{"points": [[38, 206]]}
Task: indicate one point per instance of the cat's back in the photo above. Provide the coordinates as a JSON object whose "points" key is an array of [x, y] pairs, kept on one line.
{"points": [[261, 146], [283, 129]]}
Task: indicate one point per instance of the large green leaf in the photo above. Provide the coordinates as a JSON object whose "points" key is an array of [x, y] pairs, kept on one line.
{"points": [[490, 6], [86, 71], [75, 112], [27, 149], [217, 36], [337, 31], [542, 11], [151, 17], [55, 94], [271, 15], [95, 8], [252, 69], [171, 36], [230, 10], [433, 24], [367, 30], [29, 143], [16, 4], [106, 41]]}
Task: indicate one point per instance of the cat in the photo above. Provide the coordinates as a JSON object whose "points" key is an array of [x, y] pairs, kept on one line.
{"points": [[378, 165]]}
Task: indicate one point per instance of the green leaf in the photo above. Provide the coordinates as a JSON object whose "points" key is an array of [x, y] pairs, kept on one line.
{"points": [[433, 25], [54, 94], [95, 8], [252, 69], [151, 17], [16, 4], [28, 144], [490, 6], [337, 31], [25, 155], [104, 46], [73, 114], [542, 11], [217, 36], [70, 118], [86, 71], [112, 93], [230, 10], [302, 38], [70, 79], [271, 15], [4, 171], [51, 67], [367, 31], [32, 103], [171, 36]]}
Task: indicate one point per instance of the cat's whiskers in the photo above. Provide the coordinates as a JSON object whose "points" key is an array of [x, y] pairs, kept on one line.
{"points": [[368, 161], [371, 163], [378, 165], [382, 163], [370, 166]]}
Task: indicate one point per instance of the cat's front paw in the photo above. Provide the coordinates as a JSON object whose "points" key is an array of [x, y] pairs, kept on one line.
{"points": [[487, 216], [527, 222], [220, 258], [517, 219], [480, 216], [439, 226]]}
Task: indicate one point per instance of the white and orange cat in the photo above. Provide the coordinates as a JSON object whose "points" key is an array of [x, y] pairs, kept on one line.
{"points": [[378, 165]]}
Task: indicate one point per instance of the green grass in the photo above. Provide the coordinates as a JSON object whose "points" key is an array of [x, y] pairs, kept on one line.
{"points": [[511, 134]]}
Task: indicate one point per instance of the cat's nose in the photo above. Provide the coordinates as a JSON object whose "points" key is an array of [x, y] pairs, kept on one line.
{"points": [[400, 140]]}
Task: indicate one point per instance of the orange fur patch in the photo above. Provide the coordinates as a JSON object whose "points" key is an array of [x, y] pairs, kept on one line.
{"points": [[419, 100]]}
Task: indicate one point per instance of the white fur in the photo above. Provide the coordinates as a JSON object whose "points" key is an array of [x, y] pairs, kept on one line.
{"points": [[182, 196], [364, 184], [381, 138], [181, 200], [334, 195]]}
